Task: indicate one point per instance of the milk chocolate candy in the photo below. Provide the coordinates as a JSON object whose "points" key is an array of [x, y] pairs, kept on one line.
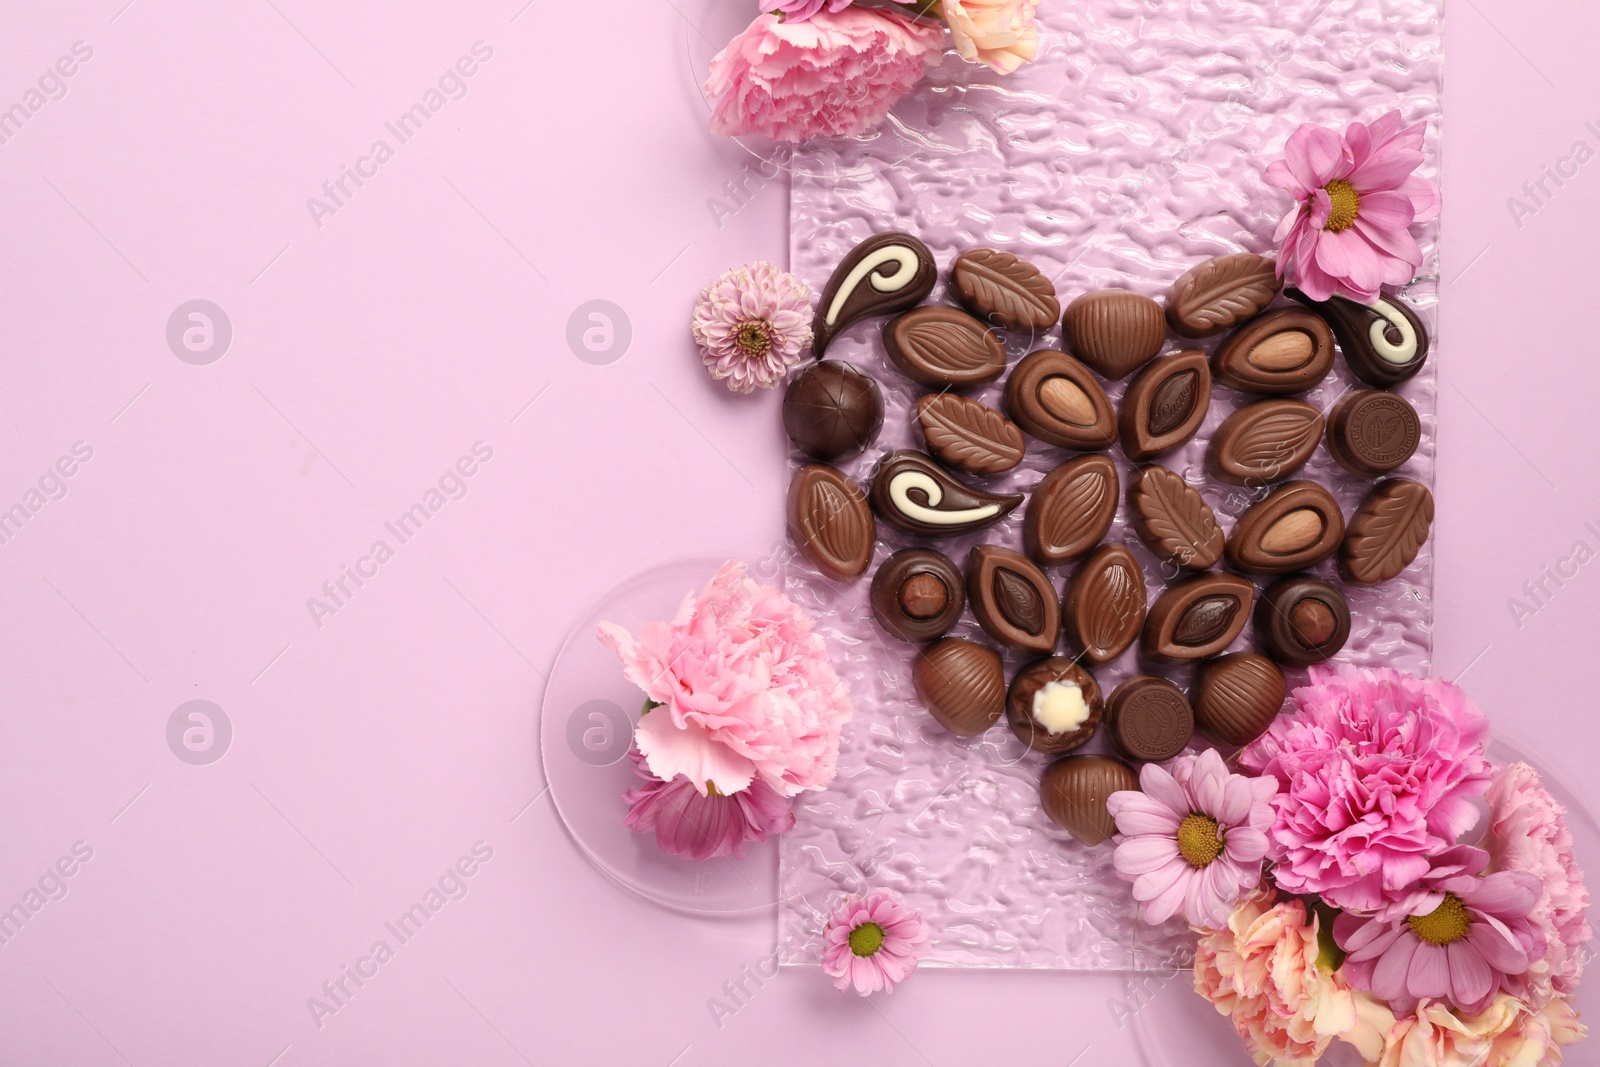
{"points": [[914, 495], [1386, 531], [1371, 432], [1057, 400], [1279, 352], [1113, 330], [1266, 441], [1012, 599], [1221, 293], [829, 522], [1149, 719], [1074, 790], [1054, 706], [831, 410], [1104, 609], [969, 436], [1296, 526], [1237, 696], [1301, 620], [1070, 510], [944, 348], [917, 594], [886, 273], [1005, 291], [1197, 617], [1165, 405], [1384, 343], [962, 684], [1172, 519]]}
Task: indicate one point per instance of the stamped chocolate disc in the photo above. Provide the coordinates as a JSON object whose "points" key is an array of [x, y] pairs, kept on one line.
{"points": [[1371, 432], [1149, 719]]}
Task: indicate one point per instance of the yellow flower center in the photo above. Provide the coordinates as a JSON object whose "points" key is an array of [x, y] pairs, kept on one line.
{"points": [[753, 337], [866, 939], [1199, 840], [1444, 924], [711, 788], [1346, 205]]}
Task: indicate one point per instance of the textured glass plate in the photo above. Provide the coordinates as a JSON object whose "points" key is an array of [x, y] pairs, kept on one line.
{"points": [[1130, 151]]}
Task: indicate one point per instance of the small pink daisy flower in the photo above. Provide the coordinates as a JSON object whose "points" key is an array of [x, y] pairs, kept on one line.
{"points": [[872, 942], [751, 324]]}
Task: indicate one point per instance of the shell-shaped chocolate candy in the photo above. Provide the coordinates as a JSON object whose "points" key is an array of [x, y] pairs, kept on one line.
{"points": [[1263, 442], [1054, 706], [944, 348], [829, 522], [1149, 719], [1001, 289], [1057, 400], [1237, 696], [1279, 352], [917, 594], [1372, 431], [886, 273], [1301, 620], [915, 495], [1173, 520], [962, 684], [1197, 617], [1071, 509], [969, 436], [832, 410], [1296, 526], [1386, 532], [1384, 343], [1165, 405], [1073, 793], [1221, 293], [1114, 330], [1012, 599], [1104, 608]]}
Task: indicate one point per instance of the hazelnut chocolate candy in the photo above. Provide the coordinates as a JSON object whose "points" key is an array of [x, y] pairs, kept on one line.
{"points": [[1197, 617], [1070, 510], [1237, 696], [1221, 293], [886, 273], [1053, 706], [969, 436], [962, 684], [1165, 405], [832, 410], [1296, 526], [1012, 599], [1263, 442], [1149, 719], [1114, 330], [1057, 400], [917, 594], [1371, 432], [1001, 289], [1173, 520], [829, 522], [1384, 343], [1386, 532], [914, 495], [944, 348], [1074, 790], [1284, 351], [1103, 610], [1301, 620]]}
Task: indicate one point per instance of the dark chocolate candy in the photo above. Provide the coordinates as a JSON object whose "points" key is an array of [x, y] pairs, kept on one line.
{"points": [[1384, 343], [1165, 405], [1371, 432], [1301, 620], [1114, 330], [1054, 706], [915, 495], [1197, 617], [1221, 293], [886, 273], [969, 436], [1237, 696], [1284, 351], [944, 348], [1263, 442], [829, 522], [1057, 400], [1104, 609], [1074, 790], [1386, 531], [1070, 510], [832, 410], [1149, 719], [1012, 599], [1005, 291], [961, 683], [917, 594], [1173, 520], [1296, 526]]}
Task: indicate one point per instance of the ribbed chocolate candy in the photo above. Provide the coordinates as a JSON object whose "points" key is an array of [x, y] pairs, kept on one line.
{"points": [[1237, 696], [962, 684], [1073, 793]]}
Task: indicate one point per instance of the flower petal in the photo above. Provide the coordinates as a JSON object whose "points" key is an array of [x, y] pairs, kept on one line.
{"points": [[691, 752], [1386, 211], [1389, 976], [1143, 854], [1471, 979], [1429, 973]]}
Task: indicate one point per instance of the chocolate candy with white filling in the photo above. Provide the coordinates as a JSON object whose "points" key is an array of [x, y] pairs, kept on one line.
{"points": [[1386, 532], [885, 274], [1265, 441], [1053, 706], [1057, 400], [1197, 617], [1221, 293], [1001, 289], [1296, 526], [1384, 343], [1114, 330], [1165, 405], [1301, 620], [969, 436], [1149, 719], [1173, 520], [944, 348], [962, 684], [1237, 696], [917, 594], [1104, 608], [1371, 432], [832, 410], [916, 496], [1070, 510], [1012, 599], [1074, 790], [829, 522], [1288, 350]]}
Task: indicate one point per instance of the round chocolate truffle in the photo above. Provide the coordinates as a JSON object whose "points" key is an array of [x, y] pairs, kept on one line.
{"points": [[1301, 620], [832, 410], [1074, 790], [1149, 719], [917, 594], [1053, 706]]}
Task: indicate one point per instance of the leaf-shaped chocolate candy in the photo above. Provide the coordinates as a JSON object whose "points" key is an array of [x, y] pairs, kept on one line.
{"points": [[1003, 290], [1387, 530], [1221, 293], [969, 436], [1173, 519]]}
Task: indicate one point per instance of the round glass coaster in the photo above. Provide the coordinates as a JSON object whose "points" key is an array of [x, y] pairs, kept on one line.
{"points": [[585, 730]]}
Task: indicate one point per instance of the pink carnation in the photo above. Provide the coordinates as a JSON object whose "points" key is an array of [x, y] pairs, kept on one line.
{"points": [[746, 690], [800, 10], [703, 826], [1376, 772], [835, 74], [1528, 832]]}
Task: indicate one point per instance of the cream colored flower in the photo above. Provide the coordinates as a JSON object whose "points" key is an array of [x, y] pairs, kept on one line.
{"points": [[1508, 1033], [997, 33]]}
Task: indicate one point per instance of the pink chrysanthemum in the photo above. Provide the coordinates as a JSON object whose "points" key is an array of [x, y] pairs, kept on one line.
{"points": [[1193, 839], [800, 10], [703, 826], [745, 689], [1355, 200], [751, 324], [872, 943], [1376, 772], [836, 74]]}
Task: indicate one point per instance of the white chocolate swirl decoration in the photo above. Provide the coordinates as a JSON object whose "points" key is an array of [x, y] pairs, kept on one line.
{"points": [[1398, 354], [900, 487], [906, 261]]}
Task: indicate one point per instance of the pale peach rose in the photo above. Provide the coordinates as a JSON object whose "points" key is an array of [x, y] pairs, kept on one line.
{"points": [[997, 33], [1508, 1033]]}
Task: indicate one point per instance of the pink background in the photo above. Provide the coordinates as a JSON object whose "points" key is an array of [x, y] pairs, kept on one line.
{"points": [[368, 355]]}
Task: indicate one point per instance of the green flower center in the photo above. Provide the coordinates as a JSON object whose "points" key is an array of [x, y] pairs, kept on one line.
{"points": [[1444, 924], [1346, 204], [866, 939], [754, 337], [1199, 839]]}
